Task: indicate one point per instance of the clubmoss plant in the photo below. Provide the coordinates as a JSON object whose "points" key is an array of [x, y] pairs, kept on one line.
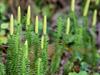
{"points": [[58, 48], [44, 53], [40, 51], [89, 39], [36, 50], [36, 43], [44, 47], [73, 17], [93, 50], [17, 55], [29, 27], [13, 53], [71, 26], [75, 36], [68, 37], [86, 36], [25, 60]]}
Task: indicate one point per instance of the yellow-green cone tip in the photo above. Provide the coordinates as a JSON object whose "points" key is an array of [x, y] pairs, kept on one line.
{"points": [[73, 5], [68, 26], [45, 25], [36, 25], [19, 15], [11, 25], [86, 8], [94, 18], [28, 15]]}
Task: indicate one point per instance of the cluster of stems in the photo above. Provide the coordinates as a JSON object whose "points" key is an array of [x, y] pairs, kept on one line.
{"points": [[18, 62]]}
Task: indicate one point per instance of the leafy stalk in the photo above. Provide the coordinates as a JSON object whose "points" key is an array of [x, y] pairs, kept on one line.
{"points": [[2, 66], [58, 48], [39, 67], [12, 55], [36, 50], [29, 27], [15, 53], [44, 48], [25, 60], [2, 69]]}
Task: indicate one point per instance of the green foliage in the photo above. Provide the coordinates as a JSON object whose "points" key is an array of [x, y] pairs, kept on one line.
{"points": [[39, 67], [3, 25], [29, 36], [25, 60], [59, 29], [17, 55], [12, 55], [3, 8], [80, 73], [2, 66], [2, 69], [3, 40], [46, 10], [36, 50], [36, 42], [56, 60]]}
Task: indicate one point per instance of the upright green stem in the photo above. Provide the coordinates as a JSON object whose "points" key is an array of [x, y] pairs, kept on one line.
{"points": [[39, 70], [25, 60], [44, 48]]}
